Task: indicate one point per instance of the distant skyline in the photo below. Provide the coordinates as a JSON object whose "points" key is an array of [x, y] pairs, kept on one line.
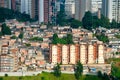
{"points": [[46, 10]]}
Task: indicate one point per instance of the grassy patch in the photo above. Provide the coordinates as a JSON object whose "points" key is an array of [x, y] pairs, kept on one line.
{"points": [[113, 60], [115, 66], [50, 76]]}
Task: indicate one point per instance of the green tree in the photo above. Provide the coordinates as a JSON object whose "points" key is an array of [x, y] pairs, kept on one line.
{"points": [[95, 22], [103, 38], [78, 70], [61, 18], [115, 71], [75, 23], [99, 74], [21, 35], [13, 37], [5, 30], [105, 76], [11, 14], [104, 22], [57, 70], [69, 39], [55, 39], [6, 75], [114, 24], [0, 34], [27, 44], [87, 20], [36, 39]]}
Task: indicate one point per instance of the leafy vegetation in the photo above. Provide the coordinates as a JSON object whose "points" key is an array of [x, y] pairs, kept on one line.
{"points": [[112, 60], [87, 20], [78, 70], [13, 37], [50, 76], [21, 35], [74, 23], [103, 76], [117, 36], [103, 38], [99, 73], [62, 20], [116, 70], [27, 44], [65, 40], [57, 70], [11, 14], [5, 30], [90, 22], [115, 62], [36, 39]]}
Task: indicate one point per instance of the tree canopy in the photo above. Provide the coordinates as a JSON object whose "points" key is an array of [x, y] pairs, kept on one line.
{"points": [[65, 40], [11, 14], [57, 70], [5, 30], [87, 20], [103, 38], [74, 23], [78, 70], [36, 39], [90, 22], [21, 35]]}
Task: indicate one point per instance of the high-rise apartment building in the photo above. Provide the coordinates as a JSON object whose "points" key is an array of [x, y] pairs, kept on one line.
{"points": [[96, 5], [81, 6], [111, 9], [13, 4], [86, 53], [46, 11], [70, 8], [26, 6], [43, 11], [18, 5], [54, 5], [5, 3], [2, 3]]}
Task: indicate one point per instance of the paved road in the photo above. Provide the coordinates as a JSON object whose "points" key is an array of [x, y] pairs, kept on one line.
{"points": [[19, 73], [35, 73]]}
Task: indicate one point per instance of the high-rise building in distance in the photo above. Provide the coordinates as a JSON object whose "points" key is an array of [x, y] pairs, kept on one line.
{"points": [[111, 9], [96, 5], [70, 8], [81, 6]]}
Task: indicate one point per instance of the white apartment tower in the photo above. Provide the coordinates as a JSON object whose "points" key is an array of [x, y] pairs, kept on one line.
{"points": [[26, 6], [111, 9], [96, 5], [41, 11], [70, 8]]}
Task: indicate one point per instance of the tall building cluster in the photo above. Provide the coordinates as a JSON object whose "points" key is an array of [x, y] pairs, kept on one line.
{"points": [[46, 10], [111, 9], [86, 53]]}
